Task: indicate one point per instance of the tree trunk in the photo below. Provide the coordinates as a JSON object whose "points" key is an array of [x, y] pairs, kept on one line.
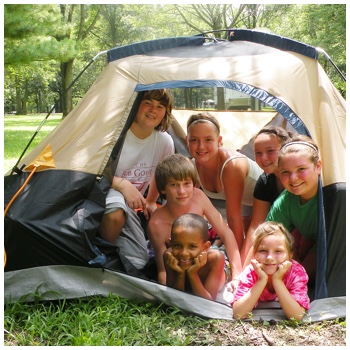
{"points": [[221, 98], [67, 78]]}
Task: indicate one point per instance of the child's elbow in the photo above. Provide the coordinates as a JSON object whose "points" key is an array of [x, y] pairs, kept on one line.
{"points": [[297, 316], [238, 314]]}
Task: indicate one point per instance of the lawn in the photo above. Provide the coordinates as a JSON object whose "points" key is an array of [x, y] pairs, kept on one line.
{"points": [[116, 321]]}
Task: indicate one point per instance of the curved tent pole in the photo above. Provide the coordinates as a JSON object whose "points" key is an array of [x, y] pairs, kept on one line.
{"points": [[15, 168], [331, 61]]}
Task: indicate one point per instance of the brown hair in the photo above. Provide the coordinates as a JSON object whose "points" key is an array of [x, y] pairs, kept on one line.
{"points": [[300, 143], [203, 118], [194, 221], [175, 166], [272, 228], [165, 97], [281, 134]]}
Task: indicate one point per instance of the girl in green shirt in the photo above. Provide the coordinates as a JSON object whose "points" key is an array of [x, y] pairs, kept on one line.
{"points": [[300, 167]]}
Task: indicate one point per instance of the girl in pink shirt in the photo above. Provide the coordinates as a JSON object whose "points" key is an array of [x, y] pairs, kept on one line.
{"points": [[272, 275]]}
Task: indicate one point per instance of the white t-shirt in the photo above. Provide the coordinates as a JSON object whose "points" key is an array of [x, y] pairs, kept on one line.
{"points": [[139, 158]]}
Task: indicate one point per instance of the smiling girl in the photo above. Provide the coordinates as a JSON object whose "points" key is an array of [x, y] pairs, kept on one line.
{"points": [[297, 207], [227, 177], [272, 275], [267, 144]]}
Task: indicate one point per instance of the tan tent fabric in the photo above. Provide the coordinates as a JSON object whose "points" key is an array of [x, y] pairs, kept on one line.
{"points": [[236, 128], [84, 140]]}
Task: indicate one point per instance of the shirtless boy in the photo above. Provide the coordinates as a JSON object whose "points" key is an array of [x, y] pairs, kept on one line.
{"points": [[175, 178]]}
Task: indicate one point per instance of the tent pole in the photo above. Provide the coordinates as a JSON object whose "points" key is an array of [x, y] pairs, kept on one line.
{"points": [[331, 61], [15, 168]]}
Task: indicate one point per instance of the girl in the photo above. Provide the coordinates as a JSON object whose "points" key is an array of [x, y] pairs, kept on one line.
{"points": [[223, 174], [272, 275], [146, 143], [297, 207], [267, 144]]}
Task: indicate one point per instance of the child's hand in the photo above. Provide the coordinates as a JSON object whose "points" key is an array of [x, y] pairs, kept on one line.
{"points": [[257, 268], [282, 269], [199, 262], [172, 262]]}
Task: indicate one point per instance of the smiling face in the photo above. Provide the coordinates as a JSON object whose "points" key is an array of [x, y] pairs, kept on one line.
{"points": [[299, 175], [150, 114], [179, 191], [186, 244], [271, 252], [203, 141], [266, 147]]}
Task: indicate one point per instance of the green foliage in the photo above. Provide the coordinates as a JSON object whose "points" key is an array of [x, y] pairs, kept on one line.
{"points": [[53, 35]]}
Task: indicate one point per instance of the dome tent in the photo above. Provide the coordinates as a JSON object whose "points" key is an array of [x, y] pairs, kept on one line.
{"points": [[50, 228]]}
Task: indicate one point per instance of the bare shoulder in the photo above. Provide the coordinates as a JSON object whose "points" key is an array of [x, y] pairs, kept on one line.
{"points": [[215, 256], [159, 220]]}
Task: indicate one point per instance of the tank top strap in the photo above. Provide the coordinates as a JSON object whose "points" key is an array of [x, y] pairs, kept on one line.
{"points": [[229, 159]]}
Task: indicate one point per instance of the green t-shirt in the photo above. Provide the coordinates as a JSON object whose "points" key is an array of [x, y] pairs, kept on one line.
{"points": [[288, 211]]}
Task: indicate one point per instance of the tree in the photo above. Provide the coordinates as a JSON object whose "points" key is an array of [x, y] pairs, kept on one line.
{"points": [[80, 23]]}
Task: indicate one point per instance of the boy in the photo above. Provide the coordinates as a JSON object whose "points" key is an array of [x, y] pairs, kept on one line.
{"points": [[189, 263], [175, 178], [146, 143]]}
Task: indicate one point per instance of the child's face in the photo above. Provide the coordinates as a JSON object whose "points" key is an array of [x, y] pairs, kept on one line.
{"points": [[271, 252], [299, 175], [266, 147], [187, 244], [150, 113], [203, 141], [179, 191]]}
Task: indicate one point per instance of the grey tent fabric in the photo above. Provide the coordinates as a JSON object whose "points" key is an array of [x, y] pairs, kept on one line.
{"points": [[67, 282]]}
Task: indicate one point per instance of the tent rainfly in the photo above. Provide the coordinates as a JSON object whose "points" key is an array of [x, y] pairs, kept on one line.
{"points": [[50, 225]]}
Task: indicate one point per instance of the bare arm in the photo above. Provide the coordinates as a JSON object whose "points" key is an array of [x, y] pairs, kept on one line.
{"points": [[214, 261], [175, 276], [224, 232], [158, 235], [243, 306], [260, 211], [151, 199], [289, 305], [234, 176], [132, 195]]}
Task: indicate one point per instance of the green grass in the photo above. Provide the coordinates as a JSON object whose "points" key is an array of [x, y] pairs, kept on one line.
{"points": [[18, 130], [98, 320]]}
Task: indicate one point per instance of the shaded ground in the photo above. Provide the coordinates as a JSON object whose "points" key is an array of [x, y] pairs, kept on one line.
{"points": [[226, 333]]}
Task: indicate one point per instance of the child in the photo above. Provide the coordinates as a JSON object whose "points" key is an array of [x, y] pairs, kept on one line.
{"points": [[297, 206], [190, 265], [146, 143], [272, 275], [267, 144], [175, 178], [224, 175]]}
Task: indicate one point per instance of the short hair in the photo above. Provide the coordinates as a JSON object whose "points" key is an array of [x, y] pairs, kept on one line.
{"points": [[203, 118], [272, 228], [281, 134], [165, 97], [176, 166], [191, 220], [300, 144]]}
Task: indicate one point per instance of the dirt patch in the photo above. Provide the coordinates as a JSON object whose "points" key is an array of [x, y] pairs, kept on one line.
{"points": [[226, 333]]}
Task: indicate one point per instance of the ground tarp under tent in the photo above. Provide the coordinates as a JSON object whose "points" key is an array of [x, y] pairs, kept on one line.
{"points": [[50, 227]]}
